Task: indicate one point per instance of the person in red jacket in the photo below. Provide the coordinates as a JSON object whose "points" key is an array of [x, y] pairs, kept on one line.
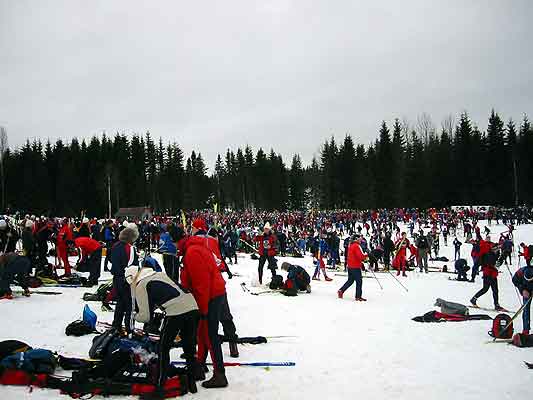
{"points": [[487, 260], [201, 275], [355, 263], [64, 235], [525, 252], [267, 251], [91, 258], [400, 260], [199, 229]]}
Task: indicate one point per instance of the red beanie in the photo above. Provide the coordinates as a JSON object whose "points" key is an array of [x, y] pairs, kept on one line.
{"points": [[199, 223]]}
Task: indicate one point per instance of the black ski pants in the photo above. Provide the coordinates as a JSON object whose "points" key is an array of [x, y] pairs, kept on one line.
{"points": [[489, 283], [185, 325]]}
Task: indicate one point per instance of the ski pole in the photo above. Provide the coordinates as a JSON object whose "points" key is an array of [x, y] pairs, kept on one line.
{"points": [[379, 283], [516, 289], [514, 316], [397, 280]]}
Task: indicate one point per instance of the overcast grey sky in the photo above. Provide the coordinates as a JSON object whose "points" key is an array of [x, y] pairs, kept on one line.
{"points": [[284, 74]]}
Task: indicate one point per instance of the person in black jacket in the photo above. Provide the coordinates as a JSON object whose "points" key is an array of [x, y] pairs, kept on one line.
{"points": [[8, 237], [123, 255], [13, 268], [388, 248], [523, 280]]}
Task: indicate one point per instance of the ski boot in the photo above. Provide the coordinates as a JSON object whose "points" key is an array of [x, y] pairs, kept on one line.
{"points": [[217, 381], [340, 293], [473, 301], [328, 279], [499, 308], [233, 350], [360, 299]]}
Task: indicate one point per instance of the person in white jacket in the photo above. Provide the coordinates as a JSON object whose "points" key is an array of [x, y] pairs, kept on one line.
{"points": [[153, 290]]}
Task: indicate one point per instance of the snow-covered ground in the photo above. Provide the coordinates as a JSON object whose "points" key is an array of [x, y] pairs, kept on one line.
{"points": [[342, 348]]}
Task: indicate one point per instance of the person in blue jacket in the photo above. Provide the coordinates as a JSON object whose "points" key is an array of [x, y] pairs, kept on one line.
{"points": [[168, 249], [523, 280]]}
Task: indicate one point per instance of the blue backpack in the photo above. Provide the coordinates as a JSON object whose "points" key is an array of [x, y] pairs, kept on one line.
{"points": [[89, 317], [37, 361]]}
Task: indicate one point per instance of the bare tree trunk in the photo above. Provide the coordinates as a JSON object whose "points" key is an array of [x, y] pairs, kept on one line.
{"points": [[3, 149]]}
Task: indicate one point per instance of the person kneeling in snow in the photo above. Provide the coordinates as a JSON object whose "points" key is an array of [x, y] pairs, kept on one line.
{"points": [[523, 280], [13, 268], [153, 290], [297, 280], [461, 268]]}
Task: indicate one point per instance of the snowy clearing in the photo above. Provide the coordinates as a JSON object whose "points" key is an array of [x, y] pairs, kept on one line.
{"points": [[343, 348]]}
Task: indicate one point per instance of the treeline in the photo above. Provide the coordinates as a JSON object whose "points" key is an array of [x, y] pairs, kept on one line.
{"points": [[407, 166]]}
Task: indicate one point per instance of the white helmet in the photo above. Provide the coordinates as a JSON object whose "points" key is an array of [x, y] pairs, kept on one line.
{"points": [[3, 224], [85, 220], [29, 224]]}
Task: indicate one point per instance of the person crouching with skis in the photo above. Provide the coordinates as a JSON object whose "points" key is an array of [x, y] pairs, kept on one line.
{"points": [[355, 263], [153, 290], [523, 280]]}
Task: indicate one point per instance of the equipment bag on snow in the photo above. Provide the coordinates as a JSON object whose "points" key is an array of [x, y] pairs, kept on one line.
{"points": [[78, 328], [34, 361], [276, 283], [502, 327], [9, 347], [521, 340], [100, 294], [448, 307], [101, 343]]}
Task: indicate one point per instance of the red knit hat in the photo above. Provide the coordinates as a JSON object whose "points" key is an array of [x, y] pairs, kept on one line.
{"points": [[199, 223]]}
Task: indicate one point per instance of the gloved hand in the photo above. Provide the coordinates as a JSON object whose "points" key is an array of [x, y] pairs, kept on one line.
{"points": [[230, 275], [525, 294]]}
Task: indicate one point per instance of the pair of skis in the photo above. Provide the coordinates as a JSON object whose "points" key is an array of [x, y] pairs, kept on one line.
{"points": [[248, 364]]}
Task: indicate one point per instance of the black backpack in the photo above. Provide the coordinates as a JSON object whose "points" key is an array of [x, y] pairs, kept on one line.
{"points": [[276, 283], [9, 347], [78, 328], [101, 343]]}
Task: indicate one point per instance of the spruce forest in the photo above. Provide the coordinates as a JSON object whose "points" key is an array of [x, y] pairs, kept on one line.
{"points": [[409, 165]]}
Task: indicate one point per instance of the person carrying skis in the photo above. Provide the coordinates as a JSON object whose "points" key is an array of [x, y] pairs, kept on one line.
{"points": [[523, 280], [153, 290], [355, 263], [487, 261], [400, 260], [267, 251]]}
